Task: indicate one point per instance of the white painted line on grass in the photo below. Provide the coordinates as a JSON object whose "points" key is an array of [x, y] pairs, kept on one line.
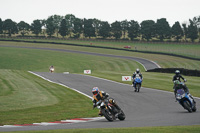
{"points": [[61, 84]]}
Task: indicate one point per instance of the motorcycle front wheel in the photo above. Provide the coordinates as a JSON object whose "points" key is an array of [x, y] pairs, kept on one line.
{"points": [[187, 106], [107, 114], [138, 87]]}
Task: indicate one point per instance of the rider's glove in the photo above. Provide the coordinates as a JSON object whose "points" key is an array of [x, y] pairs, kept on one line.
{"points": [[185, 80], [94, 106]]}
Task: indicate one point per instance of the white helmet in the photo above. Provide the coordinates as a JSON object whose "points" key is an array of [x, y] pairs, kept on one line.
{"points": [[137, 70], [177, 72]]}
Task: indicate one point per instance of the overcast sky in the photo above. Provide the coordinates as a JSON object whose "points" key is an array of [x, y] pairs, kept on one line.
{"points": [[104, 10]]}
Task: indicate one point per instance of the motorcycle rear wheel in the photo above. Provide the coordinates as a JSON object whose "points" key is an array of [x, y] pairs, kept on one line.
{"points": [[121, 116]]}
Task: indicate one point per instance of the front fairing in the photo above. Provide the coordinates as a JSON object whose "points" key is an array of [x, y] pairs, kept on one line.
{"points": [[138, 80]]}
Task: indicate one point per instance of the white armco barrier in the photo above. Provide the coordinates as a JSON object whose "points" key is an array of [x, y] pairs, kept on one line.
{"points": [[126, 78], [87, 72]]}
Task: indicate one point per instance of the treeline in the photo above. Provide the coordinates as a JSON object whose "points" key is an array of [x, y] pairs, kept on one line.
{"points": [[73, 27]]}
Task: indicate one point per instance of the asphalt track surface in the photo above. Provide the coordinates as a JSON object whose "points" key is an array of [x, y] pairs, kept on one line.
{"points": [[149, 107]]}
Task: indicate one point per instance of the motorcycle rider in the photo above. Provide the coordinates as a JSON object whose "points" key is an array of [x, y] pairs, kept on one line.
{"points": [[51, 67], [178, 77], [101, 95], [178, 84], [135, 74]]}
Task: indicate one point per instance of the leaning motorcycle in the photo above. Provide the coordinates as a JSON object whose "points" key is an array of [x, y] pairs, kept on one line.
{"points": [[109, 111], [185, 100], [137, 84]]}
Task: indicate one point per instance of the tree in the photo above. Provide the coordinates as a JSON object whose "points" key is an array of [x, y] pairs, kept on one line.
{"points": [[196, 21], [1, 26], [10, 27], [147, 29], [44, 26], [124, 25], [96, 24], [36, 27], [78, 27], [23, 27], [70, 23], [185, 31], [192, 31], [133, 29], [163, 29], [177, 31], [116, 29], [89, 30], [104, 29], [63, 28], [50, 26], [57, 21]]}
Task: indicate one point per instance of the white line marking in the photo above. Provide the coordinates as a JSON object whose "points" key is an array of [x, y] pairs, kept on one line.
{"points": [[61, 84]]}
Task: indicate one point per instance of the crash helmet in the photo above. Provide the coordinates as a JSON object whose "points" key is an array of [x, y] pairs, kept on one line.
{"points": [[137, 70], [95, 91], [177, 72]]}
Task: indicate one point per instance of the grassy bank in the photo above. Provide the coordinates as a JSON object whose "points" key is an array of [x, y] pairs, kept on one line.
{"points": [[190, 50], [26, 98], [163, 60]]}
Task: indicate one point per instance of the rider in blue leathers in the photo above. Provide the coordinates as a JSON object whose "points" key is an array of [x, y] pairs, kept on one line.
{"points": [[135, 74]]}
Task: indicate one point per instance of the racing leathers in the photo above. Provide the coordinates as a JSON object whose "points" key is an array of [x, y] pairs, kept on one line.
{"points": [[179, 77], [102, 96]]}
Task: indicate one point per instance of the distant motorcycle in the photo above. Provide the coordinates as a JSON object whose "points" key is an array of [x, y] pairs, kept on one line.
{"points": [[185, 100], [109, 111], [137, 84], [51, 70]]}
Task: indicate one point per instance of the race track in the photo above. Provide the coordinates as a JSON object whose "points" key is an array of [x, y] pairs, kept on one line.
{"points": [[149, 107]]}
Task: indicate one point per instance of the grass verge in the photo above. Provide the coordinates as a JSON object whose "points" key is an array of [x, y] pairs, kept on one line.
{"points": [[29, 99], [168, 129]]}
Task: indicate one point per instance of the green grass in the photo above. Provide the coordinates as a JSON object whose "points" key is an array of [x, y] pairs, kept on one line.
{"points": [[169, 129], [27, 99], [29, 96], [190, 50], [163, 60]]}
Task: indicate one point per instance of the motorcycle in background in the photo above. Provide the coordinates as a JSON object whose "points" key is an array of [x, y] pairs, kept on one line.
{"points": [[51, 69], [137, 84]]}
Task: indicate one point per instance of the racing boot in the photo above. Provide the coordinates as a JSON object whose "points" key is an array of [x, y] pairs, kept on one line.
{"points": [[100, 113]]}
